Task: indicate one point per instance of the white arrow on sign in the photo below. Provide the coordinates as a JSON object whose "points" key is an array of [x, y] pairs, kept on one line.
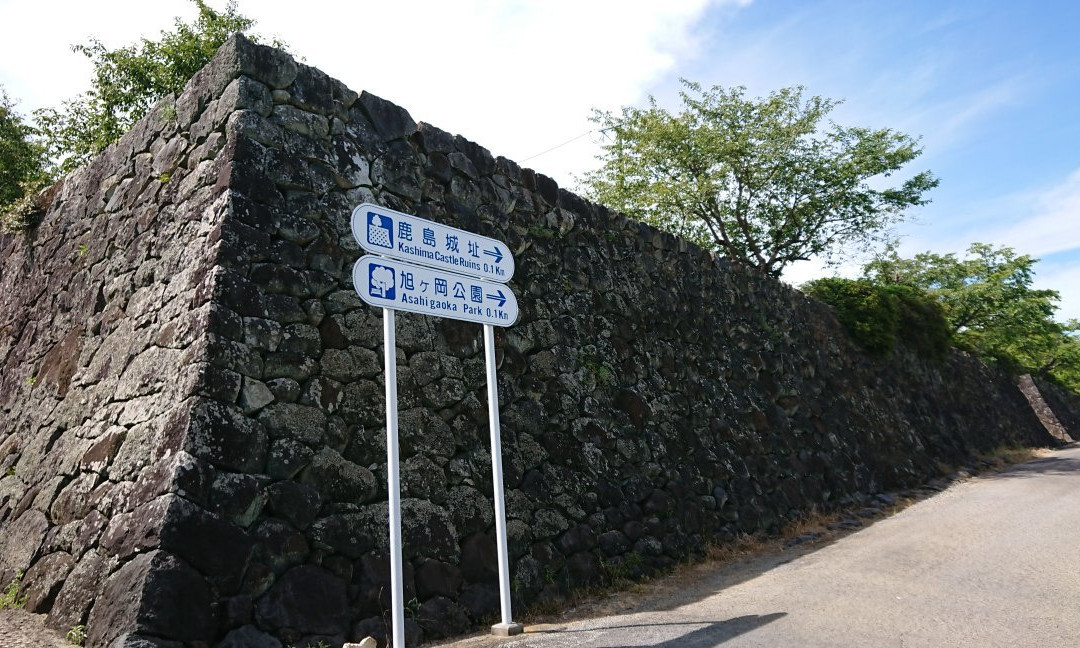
{"points": [[389, 283], [391, 233]]}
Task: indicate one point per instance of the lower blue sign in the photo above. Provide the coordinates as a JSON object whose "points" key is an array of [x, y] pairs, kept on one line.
{"points": [[389, 283]]}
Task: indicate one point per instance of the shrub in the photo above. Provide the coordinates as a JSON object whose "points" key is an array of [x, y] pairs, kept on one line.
{"points": [[869, 314], [877, 317], [922, 324]]}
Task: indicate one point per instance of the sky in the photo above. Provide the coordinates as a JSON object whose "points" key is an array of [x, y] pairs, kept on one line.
{"points": [[991, 87]]}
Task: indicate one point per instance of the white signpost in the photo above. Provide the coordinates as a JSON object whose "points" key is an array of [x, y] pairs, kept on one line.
{"points": [[427, 268], [391, 233], [403, 286]]}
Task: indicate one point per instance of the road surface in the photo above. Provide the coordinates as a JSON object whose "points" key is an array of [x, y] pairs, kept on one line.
{"points": [[993, 561]]}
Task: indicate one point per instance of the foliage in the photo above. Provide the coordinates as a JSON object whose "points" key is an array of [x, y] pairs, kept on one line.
{"points": [[11, 597], [129, 80], [24, 168], [77, 635], [761, 180], [992, 308], [878, 316]]}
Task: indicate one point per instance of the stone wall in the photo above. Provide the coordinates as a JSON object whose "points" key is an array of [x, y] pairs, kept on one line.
{"points": [[1064, 404], [193, 402], [1042, 409]]}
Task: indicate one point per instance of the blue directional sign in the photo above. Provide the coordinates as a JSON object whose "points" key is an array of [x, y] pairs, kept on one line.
{"points": [[409, 238], [389, 283]]}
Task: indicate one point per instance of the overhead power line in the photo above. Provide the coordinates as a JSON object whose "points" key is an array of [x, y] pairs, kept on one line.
{"points": [[569, 141]]}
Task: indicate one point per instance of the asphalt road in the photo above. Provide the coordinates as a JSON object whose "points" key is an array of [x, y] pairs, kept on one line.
{"points": [[993, 561]]}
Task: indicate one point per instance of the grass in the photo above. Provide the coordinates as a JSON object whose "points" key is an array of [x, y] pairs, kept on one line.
{"points": [[77, 635], [12, 598], [1005, 456]]}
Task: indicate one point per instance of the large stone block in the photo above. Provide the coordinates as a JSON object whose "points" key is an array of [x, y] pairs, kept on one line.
{"points": [[156, 594], [307, 599]]}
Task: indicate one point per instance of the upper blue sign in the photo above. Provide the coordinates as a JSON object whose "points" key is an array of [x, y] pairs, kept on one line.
{"points": [[391, 233]]}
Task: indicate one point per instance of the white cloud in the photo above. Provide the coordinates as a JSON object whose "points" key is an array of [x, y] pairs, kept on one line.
{"points": [[1054, 222], [1038, 222], [518, 77], [37, 66], [1064, 278]]}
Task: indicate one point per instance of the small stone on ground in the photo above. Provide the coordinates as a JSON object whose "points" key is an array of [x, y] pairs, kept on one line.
{"points": [[21, 629]]}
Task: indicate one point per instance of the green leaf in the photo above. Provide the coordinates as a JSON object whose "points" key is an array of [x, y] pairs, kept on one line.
{"points": [[765, 181]]}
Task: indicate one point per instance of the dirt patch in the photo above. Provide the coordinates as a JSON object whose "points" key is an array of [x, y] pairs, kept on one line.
{"points": [[21, 629]]}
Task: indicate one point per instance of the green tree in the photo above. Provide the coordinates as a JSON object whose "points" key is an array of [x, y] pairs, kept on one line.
{"points": [[24, 168], [988, 291], [128, 80], [992, 307], [762, 180]]}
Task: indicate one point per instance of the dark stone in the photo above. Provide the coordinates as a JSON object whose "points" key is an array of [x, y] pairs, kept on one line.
{"points": [[131, 640], [248, 636], [307, 599], [547, 188], [154, 594], [80, 590], [215, 547], [20, 541], [635, 407], [236, 611], [436, 578], [237, 498], [426, 530], [295, 502], [101, 454], [349, 534], [480, 601], [479, 557], [42, 582], [280, 545], [390, 121], [270, 65], [579, 538], [331, 334], [659, 503], [222, 435], [287, 457], [528, 578], [337, 479], [633, 529], [614, 543], [584, 568], [441, 617], [373, 582]]}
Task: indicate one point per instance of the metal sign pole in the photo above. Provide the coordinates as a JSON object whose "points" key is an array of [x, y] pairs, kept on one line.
{"points": [[420, 266], [393, 478], [507, 627]]}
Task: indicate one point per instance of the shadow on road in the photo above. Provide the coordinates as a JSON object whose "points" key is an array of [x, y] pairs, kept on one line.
{"points": [[1061, 464], [712, 634], [718, 633]]}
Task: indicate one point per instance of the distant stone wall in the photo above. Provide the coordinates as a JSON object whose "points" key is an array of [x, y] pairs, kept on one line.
{"points": [[1043, 410], [201, 451], [1064, 404]]}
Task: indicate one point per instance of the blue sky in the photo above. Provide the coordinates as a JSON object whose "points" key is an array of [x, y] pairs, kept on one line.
{"points": [[993, 88]]}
